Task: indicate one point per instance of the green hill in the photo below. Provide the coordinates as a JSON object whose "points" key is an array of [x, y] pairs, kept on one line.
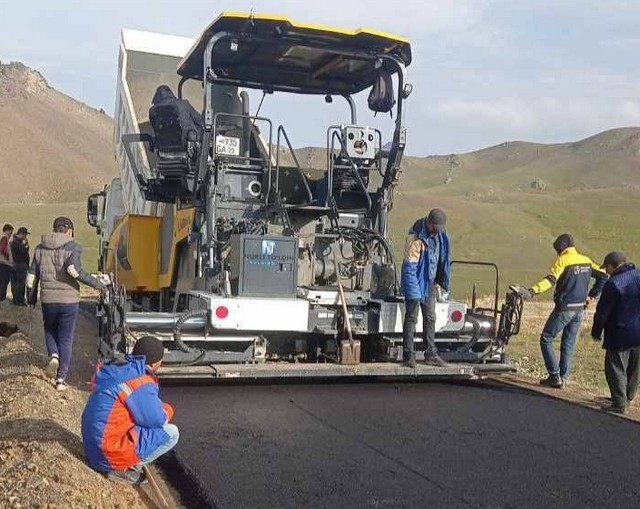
{"points": [[507, 203]]}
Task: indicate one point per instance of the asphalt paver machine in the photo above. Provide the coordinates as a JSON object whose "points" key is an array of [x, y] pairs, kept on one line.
{"points": [[247, 265]]}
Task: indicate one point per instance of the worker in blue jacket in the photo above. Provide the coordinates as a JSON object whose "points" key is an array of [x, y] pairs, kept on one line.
{"points": [[426, 264], [618, 316], [125, 424]]}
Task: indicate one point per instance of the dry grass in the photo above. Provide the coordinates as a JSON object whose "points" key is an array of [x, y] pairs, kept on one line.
{"points": [[588, 370]]}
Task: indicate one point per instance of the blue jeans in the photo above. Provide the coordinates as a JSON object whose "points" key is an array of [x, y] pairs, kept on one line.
{"points": [[174, 435], [567, 322], [59, 325]]}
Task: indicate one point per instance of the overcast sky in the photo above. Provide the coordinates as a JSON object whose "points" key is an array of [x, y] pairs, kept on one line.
{"points": [[483, 71]]}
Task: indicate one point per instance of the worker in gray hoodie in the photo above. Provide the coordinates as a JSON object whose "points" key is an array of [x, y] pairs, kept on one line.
{"points": [[57, 270]]}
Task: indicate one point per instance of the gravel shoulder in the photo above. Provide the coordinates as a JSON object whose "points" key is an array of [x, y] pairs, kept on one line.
{"points": [[41, 459]]}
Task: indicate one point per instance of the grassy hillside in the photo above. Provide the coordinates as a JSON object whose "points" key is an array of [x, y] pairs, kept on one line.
{"points": [[39, 220], [509, 202], [518, 235]]}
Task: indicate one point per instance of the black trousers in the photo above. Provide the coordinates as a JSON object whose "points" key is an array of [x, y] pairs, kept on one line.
{"points": [[428, 308], [622, 369], [19, 282], [5, 278]]}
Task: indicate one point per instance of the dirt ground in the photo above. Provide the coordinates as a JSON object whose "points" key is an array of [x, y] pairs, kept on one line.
{"points": [[41, 460]]}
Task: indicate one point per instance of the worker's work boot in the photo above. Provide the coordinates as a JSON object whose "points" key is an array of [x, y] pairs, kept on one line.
{"points": [[435, 360], [132, 476], [615, 409], [409, 360], [552, 381]]}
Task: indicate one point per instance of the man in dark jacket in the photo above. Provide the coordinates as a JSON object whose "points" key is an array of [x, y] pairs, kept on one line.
{"points": [[20, 252], [618, 315], [426, 264], [57, 269], [174, 121], [571, 274], [6, 260], [125, 424]]}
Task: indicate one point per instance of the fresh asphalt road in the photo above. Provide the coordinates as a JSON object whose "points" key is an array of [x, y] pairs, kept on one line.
{"points": [[388, 445]]}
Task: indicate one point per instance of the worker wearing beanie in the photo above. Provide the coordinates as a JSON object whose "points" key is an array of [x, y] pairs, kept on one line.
{"points": [[570, 273], [125, 425]]}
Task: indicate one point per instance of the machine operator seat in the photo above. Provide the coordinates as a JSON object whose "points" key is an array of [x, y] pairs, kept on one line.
{"points": [[177, 128]]}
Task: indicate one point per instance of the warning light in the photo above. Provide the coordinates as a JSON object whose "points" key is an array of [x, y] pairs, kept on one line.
{"points": [[222, 312], [456, 316]]}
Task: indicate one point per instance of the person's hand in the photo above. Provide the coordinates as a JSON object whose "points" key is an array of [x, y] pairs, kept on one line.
{"points": [[590, 300], [442, 295], [526, 293]]}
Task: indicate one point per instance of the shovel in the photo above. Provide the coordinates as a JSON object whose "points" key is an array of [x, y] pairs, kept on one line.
{"points": [[161, 501], [349, 350]]}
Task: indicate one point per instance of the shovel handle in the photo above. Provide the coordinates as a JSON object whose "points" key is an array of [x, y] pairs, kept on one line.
{"points": [[344, 303], [162, 502]]}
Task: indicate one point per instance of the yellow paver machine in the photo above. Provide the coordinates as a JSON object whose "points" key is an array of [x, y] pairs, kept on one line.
{"points": [[247, 265]]}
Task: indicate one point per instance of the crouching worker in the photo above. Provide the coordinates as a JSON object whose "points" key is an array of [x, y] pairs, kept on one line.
{"points": [[125, 425]]}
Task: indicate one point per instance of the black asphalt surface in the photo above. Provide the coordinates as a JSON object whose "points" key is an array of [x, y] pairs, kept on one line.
{"points": [[430, 445]]}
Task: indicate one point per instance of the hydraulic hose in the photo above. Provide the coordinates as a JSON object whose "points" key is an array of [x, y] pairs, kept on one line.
{"points": [[475, 335], [177, 337], [510, 317]]}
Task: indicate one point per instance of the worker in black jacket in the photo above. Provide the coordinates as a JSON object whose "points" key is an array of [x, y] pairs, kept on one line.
{"points": [[618, 315], [20, 253]]}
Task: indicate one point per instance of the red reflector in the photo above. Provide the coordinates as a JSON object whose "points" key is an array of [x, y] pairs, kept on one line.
{"points": [[222, 311], [456, 316]]}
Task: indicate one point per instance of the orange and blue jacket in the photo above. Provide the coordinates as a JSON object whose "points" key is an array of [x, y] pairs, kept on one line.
{"points": [[123, 420], [571, 274]]}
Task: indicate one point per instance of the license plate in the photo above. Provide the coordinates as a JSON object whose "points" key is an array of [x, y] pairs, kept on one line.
{"points": [[227, 145]]}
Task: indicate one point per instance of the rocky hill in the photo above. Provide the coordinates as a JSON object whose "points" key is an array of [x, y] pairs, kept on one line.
{"points": [[52, 147]]}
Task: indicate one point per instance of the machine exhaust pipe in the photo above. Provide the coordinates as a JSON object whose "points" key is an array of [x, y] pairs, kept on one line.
{"points": [[246, 124], [163, 322]]}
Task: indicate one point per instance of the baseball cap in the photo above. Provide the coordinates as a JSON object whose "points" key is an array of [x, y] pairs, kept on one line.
{"points": [[151, 347], [437, 218], [62, 223], [23, 231], [614, 258]]}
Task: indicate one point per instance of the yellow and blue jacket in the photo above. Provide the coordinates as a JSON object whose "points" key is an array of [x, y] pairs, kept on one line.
{"points": [[571, 273], [426, 261]]}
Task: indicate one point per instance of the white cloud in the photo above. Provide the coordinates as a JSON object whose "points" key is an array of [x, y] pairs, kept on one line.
{"points": [[484, 71], [480, 123]]}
